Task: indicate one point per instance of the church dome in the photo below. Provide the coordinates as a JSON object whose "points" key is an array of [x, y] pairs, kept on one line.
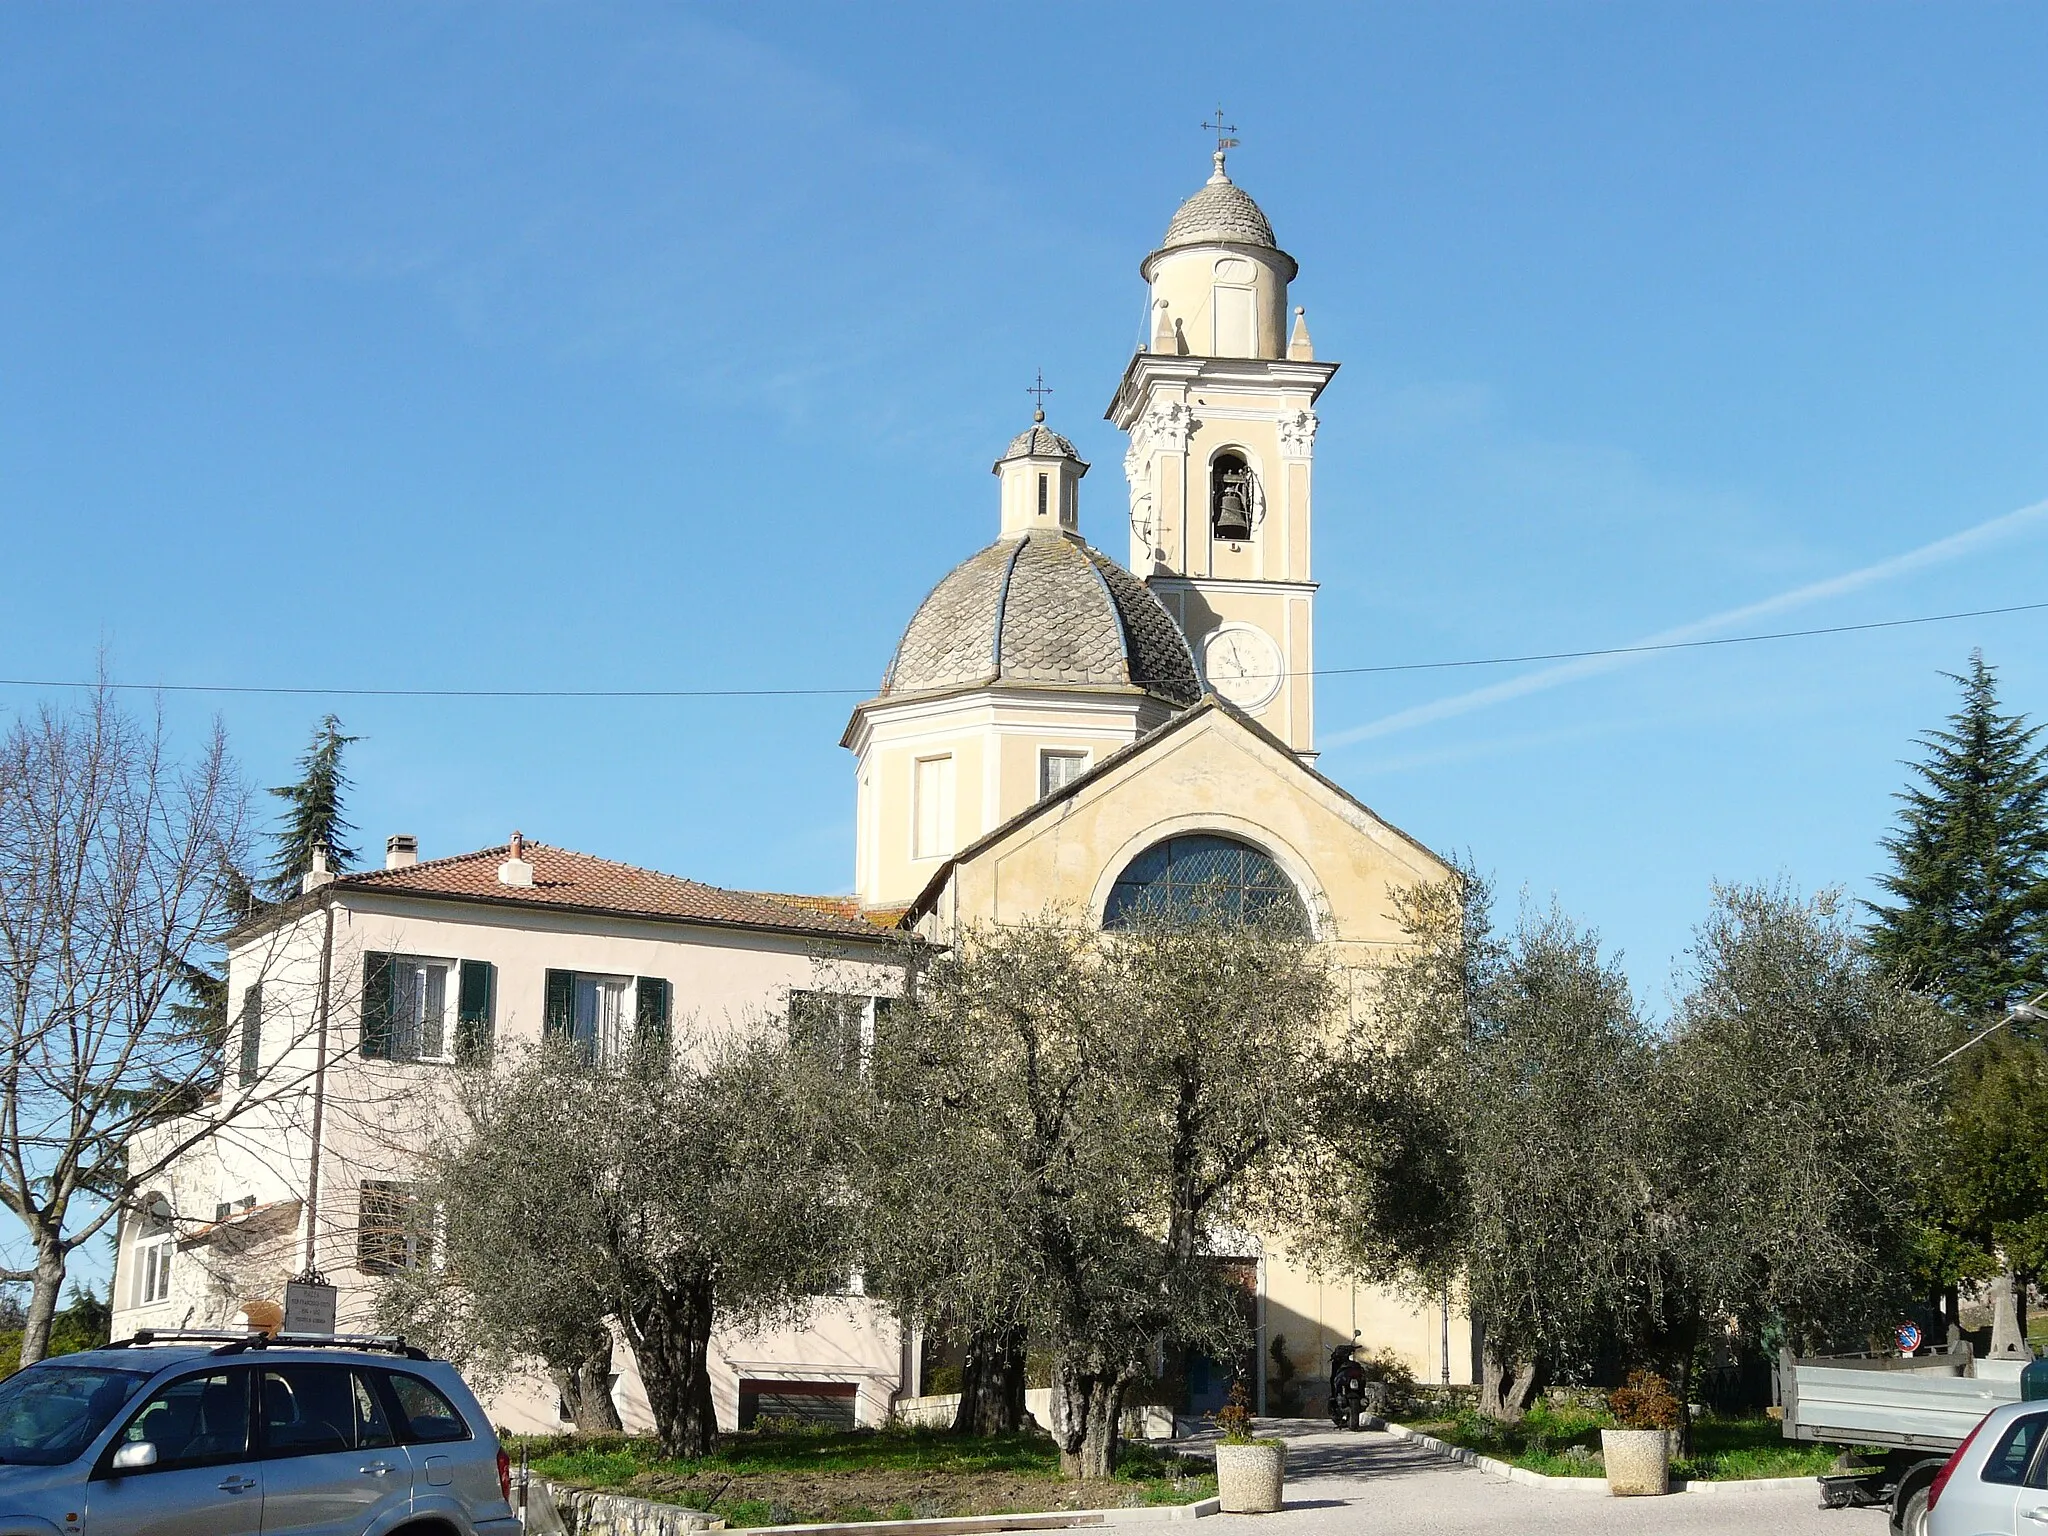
{"points": [[1040, 442], [1043, 608], [1221, 211]]}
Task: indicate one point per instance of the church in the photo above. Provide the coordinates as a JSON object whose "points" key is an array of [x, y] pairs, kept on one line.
{"points": [[1054, 730], [1060, 731]]}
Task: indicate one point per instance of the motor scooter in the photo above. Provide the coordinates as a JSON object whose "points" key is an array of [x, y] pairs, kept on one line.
{"points": [[1348, 1387]]}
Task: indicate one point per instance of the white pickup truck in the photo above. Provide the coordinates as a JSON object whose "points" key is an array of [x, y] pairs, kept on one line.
{"points": [[1912, 1410]]}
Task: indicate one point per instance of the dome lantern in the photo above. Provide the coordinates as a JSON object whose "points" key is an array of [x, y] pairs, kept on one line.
{"points": [[1041, 481], [1219, 275]]}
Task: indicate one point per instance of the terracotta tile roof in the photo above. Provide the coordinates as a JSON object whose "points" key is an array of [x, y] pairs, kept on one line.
{"points": [[585, 883], [843, 906]]}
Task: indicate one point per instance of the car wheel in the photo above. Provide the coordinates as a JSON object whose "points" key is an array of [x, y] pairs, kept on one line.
{"points": [[1913, 1516]]}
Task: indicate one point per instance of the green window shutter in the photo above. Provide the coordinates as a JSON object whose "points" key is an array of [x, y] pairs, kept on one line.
{"points": [[252, 1034], [558, 1017], [473, 1011], [378, 1005], [651, 997]]}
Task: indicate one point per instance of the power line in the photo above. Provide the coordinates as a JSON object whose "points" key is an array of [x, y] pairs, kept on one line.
{"points": [[801, 693]]}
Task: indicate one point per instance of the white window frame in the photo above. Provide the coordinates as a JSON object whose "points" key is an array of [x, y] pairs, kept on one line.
{"points": [[410, 971], [944, 813], [1081, 758], [156, 1246], [608, 1037]]}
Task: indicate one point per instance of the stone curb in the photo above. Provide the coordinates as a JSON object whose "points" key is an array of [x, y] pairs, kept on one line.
{"points": [[967, 1525], [617, 1513], [1548, 1484]]}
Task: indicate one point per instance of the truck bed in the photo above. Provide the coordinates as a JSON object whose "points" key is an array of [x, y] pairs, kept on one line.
{"points": [[1920, 1403]]}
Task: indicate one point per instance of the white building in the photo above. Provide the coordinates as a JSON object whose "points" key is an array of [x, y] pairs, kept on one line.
{"points": [[353, 1005]]}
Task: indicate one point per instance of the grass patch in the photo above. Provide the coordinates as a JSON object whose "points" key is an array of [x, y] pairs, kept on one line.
{"points": [[821, 1476], [1565, 1442]]}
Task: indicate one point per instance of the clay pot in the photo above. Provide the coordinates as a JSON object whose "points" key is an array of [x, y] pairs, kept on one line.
{"points": [[1248, 1478], [1638, 1460]]}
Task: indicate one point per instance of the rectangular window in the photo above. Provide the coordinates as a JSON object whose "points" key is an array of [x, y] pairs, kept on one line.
{"points": [[251, 1026], [392, 1231], [1236, 321], [1041, 496], [405, 1008], [835, 1027], [1056, 770], [932, 808], [153, 1269], [603, 1015]]}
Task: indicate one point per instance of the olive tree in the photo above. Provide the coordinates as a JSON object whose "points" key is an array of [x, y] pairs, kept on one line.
{"points": [[1485, 1134], [672, 1193], [1056, 1118], [1795, 1099]]}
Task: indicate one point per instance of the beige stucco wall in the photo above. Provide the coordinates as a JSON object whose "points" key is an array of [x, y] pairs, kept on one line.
{"points": [[994, 736], [379, 1115], [1211, 773]]}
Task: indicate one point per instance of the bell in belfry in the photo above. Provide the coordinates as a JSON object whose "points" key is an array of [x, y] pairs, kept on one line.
{"points": [[1233, 512]]}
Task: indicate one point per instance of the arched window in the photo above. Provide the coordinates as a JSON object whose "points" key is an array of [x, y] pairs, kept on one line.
{"points": [[1203, 873], [1233, 497]]}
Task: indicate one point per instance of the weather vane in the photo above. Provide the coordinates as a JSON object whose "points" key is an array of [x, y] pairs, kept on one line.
{"points": [[1040, 390], [1222, 130]]}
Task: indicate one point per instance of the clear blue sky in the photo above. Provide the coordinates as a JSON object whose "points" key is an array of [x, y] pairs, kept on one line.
{"points": [[660, 346]]}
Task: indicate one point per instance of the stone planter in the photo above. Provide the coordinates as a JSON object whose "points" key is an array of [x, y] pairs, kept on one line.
{"points": [[1638, 1460], [1248, 1477]]}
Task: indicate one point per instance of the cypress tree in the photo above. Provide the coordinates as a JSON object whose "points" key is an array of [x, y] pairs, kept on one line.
{"points": [[1970, 861], [313, 819]]}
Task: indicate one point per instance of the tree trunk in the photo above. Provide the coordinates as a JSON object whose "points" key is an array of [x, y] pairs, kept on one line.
{"points": [[992, 1383], [1086, 1408], [586, 1388], [1688, 1346], [1506, 1387], [673, 1347], [42, 1305]]}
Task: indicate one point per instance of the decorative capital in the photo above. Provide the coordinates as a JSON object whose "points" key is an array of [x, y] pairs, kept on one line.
{"points": [[1163, 429], [1298, 433]]}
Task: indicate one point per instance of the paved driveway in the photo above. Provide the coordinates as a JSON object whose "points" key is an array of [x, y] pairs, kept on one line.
{"points": [[1341, 1484]]}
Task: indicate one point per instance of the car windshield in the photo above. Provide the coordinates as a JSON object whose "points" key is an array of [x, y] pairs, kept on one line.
{"points": [[49, 1413]]}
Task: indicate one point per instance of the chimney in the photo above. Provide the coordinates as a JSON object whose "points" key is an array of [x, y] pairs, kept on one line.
{"points": [[516, 870], [318, 875], [401, 851]]}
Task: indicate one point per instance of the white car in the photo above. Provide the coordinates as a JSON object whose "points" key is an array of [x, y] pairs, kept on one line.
{"points": [[1996, 1483]]}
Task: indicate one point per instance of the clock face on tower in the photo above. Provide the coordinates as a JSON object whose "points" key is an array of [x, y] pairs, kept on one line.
{"points": [[1242, 664]]}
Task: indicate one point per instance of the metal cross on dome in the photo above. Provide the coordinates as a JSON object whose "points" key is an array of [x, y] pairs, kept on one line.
{"points": [[1222, 130], [1039, 391]]}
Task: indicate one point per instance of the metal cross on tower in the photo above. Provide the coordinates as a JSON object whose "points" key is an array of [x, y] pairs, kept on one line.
{"points": [[1221, 129], [1039, 391]]}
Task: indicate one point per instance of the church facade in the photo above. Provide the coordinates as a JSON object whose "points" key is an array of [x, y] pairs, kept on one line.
{"points": [[1055, 730], [1058, 731]]}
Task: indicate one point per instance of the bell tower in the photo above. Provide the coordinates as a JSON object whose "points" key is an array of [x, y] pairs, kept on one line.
{"points": [[1219, 405]]}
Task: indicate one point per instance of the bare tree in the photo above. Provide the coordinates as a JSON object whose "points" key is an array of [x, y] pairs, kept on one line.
{"points": [[116, 866]]}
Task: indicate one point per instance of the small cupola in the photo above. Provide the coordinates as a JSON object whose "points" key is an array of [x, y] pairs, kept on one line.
{"points": [[1041, 481]]}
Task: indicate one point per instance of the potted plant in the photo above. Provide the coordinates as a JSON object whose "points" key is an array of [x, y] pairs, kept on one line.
{"points": [[1249, 1471], [1638, 1453]]}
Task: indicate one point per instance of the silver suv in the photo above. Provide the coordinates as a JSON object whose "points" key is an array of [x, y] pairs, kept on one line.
{"points": [[236, 1435]]}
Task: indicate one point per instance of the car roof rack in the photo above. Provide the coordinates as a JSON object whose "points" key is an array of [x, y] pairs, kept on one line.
{"points": [[229, 1342]]}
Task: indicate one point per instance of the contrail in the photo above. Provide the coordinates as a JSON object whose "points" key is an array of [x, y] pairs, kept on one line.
{"points": [[1939, 552]]}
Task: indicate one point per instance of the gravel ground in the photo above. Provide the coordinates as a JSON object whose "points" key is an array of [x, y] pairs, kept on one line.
{"points": [[1341, 1484]]}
